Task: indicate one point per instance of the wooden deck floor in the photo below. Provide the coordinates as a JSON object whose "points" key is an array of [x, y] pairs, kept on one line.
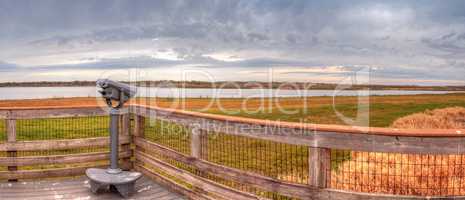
{"points": [[78, 189]]}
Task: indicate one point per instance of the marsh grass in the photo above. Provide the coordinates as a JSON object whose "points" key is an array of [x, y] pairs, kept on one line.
{"points": [[446, 118], [62, 128], [403, 174], [408, 174], [380, 114]]}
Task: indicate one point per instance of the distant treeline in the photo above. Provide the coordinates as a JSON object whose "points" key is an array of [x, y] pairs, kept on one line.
{"points": [[238, 84]]}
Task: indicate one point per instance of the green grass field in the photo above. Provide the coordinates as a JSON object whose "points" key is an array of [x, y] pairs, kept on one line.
{"points": [[383, 110], [62, 128]]}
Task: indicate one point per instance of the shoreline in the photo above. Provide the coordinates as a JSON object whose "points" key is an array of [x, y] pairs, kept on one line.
{"points": [[383, 110], [93, 100], [241, 85]]}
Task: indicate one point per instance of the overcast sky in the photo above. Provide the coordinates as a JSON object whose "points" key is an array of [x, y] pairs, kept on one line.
{"points": [[402, 42]]}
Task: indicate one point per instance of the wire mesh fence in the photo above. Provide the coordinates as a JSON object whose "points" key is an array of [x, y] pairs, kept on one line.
{"points": [[62, 128], [47, 129], [273, 159], [277, 160], [370, 172], [400, 174], [222, 180], [168, 134]]}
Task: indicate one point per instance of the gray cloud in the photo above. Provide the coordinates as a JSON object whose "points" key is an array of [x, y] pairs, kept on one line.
{"points": [[405, 39], [5, 67]]}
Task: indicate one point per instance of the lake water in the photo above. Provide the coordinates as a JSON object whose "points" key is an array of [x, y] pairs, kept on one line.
{"points": [[8, 93]]}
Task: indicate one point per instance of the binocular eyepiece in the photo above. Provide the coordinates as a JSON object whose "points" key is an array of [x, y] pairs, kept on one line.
{"points": [[115, 91]]}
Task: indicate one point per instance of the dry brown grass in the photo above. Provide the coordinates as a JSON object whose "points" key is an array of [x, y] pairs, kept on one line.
{"points": [[403, 174], [407, 174], [447, 118]]}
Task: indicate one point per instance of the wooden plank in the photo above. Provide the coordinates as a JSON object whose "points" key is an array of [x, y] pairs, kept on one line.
{"points": [[58, 144], [139, 126], [170, 184], [57, 112], [59, 159], [49, 173], [31, 174], [51, 190], [319, 165], [124, 124], [324, 139], [11, 137], [205, 184], [331, 194], [124, 132], [11, 130], [3, 114], [60, 184], [248, 178]]}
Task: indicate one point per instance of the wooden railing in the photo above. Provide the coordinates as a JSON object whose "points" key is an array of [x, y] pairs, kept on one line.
{"points": [[194, 161], [320, 140], [54, 152]]}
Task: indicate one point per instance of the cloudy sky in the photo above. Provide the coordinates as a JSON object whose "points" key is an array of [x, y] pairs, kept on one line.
{"points": [[401, 42]]}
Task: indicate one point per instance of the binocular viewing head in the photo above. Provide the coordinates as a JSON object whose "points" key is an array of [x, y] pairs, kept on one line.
{"points": [[115, 91]]}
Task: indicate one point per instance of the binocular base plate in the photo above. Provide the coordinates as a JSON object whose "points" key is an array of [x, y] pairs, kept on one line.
{"points": [[122, 182]]}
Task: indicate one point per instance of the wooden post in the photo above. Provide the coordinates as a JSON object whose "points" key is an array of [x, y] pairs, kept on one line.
{"points": [[124, 131], [125, 124], [11, 137], [198, 151], [196, 143], [139, 130], [139, 126], [204, 145], [199, 141], [319, 162]]}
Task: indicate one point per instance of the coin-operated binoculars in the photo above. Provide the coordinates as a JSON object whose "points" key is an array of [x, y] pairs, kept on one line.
{"points": [[115, 95]]}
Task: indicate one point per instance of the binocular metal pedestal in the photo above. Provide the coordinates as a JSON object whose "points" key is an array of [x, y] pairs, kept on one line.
{"points": [[122, 182], [113, 177]]}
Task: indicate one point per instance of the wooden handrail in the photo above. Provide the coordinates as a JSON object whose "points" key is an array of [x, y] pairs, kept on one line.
{"points": [[304, 126], [314, 127], [59, 159], [48, 107], [51, 112], [43, 145], [297, 134]]}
